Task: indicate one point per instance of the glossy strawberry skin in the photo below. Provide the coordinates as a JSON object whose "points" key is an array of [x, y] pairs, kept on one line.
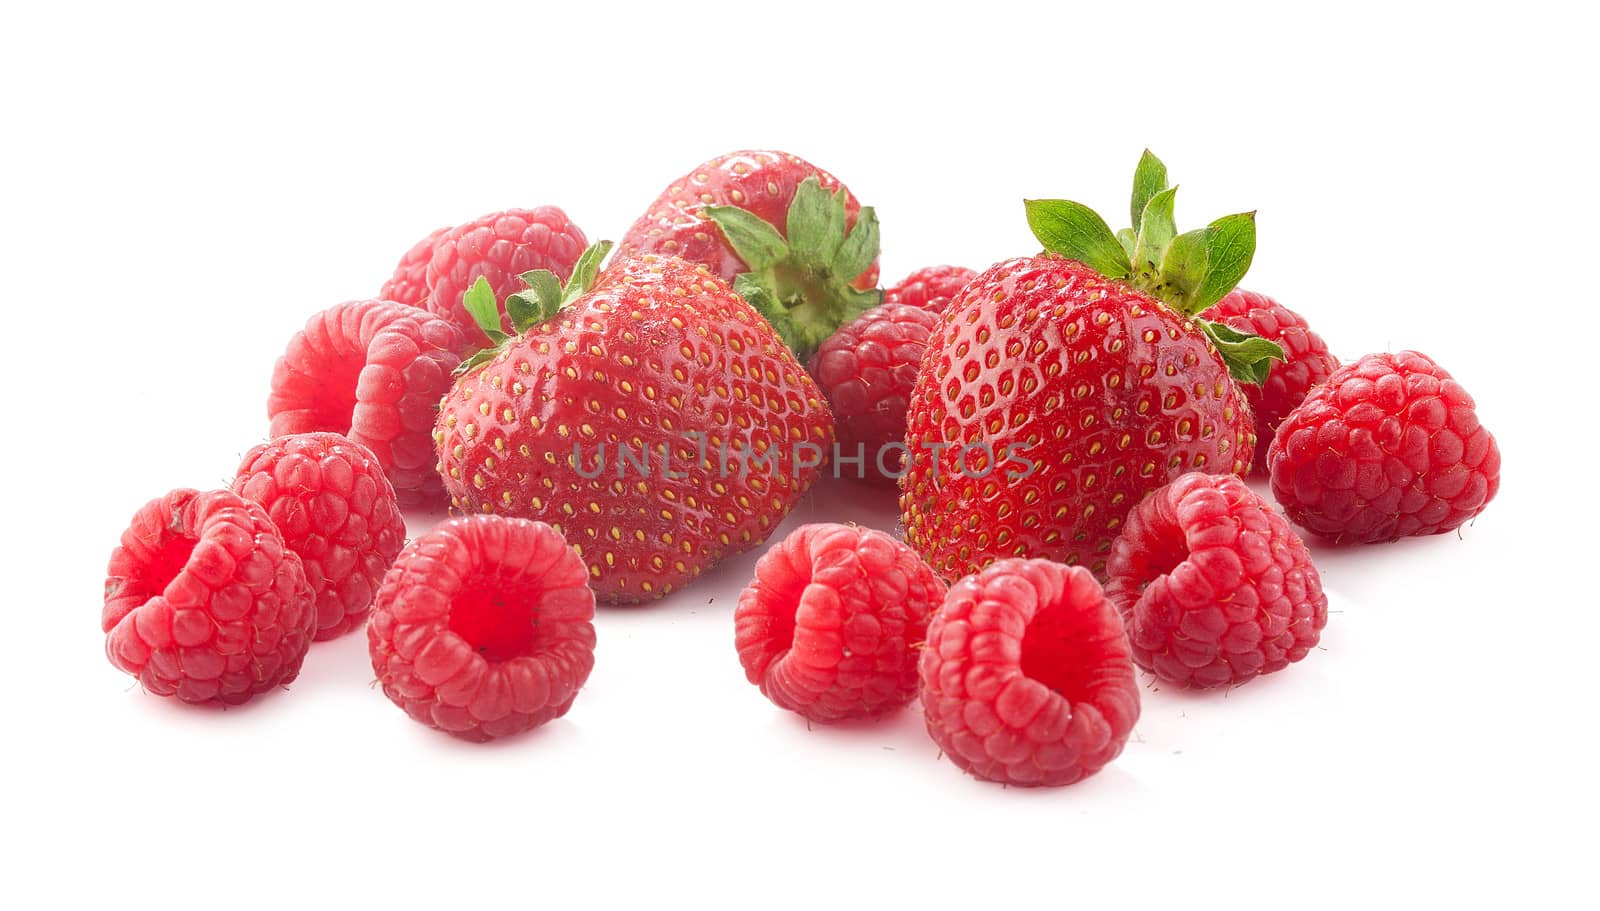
{"points": [[762, 182], [658, 351], [1097, 393]]}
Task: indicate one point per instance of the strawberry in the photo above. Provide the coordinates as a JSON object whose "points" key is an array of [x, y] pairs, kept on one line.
{"points": [[787, 235], [1059, 389], [650, 414]]}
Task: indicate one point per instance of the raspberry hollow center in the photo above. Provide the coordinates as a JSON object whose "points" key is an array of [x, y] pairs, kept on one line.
{"points": [[1056, 652], [782, 603], [165, 564], [1167, 548], [336, 397], [499, 620]]}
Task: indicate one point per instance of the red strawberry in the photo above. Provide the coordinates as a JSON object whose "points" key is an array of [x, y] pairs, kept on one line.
{"points": [[1059, 389], [1306, 360], [787, 235], [930, 288], [409, 283], [652, 416], [499, 247]]}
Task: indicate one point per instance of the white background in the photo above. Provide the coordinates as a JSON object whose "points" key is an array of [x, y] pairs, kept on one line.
{"points": [[183, 187]]}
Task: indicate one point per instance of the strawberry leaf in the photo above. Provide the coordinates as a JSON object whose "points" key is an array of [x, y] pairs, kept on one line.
{"points": [[1156, 231], [1230, 246], [750, 287], [541, 300], [1149, 178], [1128, 240], [759, 244], [1075, 231], [584, 272], [803, 285], [480, 304], [860, 247], [538, 303], [1183, 267], [1248, 357], [482, 356], [816, 223]]}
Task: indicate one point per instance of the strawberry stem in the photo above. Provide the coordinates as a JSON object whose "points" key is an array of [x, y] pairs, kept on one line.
{"points": [[800, 279], [1188, 272]]}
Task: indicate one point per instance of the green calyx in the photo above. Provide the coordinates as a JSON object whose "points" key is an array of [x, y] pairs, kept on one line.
{"points": [[543, 297], [800, 278], [1188, 272]]}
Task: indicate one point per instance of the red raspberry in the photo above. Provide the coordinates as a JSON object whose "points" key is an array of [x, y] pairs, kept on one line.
{"points": [[484, 627], [930, 288], [336, 510], [409, 283], [867, 370], [204, 602], [499, 247], [1306, 363], [1214, 586], [827, 628], [1389, 447], [1026, 678], [375, 372]]}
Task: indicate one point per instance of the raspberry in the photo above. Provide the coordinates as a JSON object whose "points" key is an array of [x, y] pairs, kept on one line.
{"points": [[336, 510], [499, 247], [867, 370], [1025, 677], [409, 283], [483, 627], [1306, 363], [373, 371], [204, 602], [827, 628], [1389, 447], [929, 288], [1215, 587]]}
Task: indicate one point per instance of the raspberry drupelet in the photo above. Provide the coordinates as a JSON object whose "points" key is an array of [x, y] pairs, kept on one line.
{"points": [[336, 510], [484, 628], [1026, 678], [1307, 361], [929, 288], [1389, 447], [1214, 586], [867, 370], [828, 627], [204, 602], [373, 371]]}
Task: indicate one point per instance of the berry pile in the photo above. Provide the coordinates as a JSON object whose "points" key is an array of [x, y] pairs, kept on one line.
{"points": [[1067, 433]]}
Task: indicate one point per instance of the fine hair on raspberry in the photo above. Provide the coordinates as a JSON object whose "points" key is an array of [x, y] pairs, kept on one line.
{"points": [[484, 628]]}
